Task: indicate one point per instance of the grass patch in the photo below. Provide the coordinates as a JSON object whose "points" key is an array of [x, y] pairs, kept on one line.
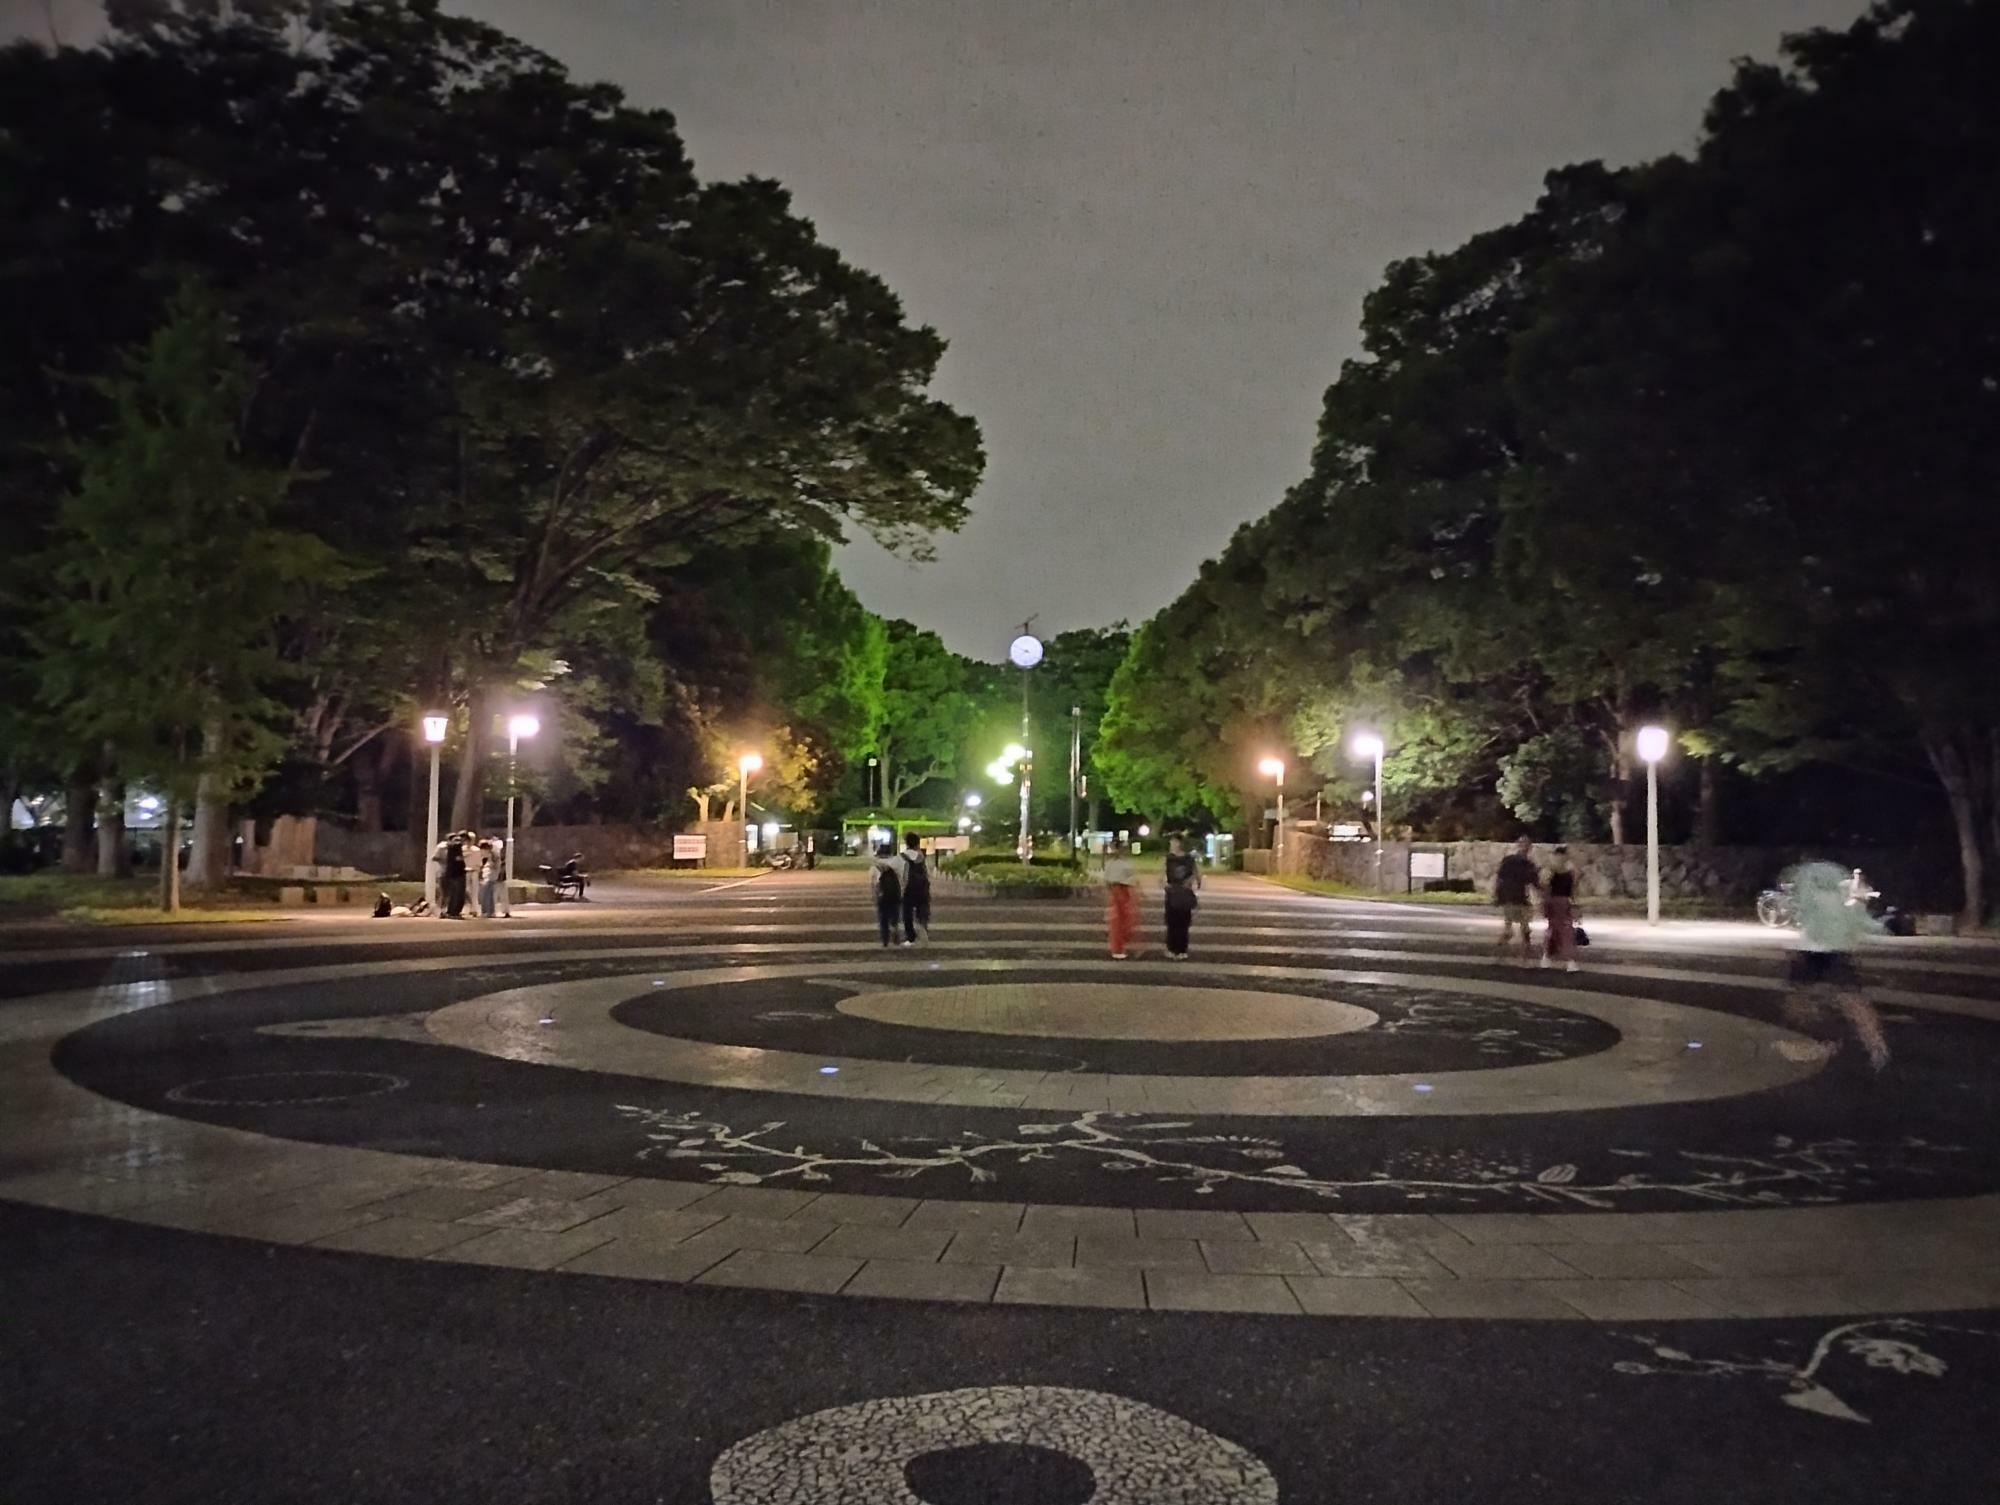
{"points": [[87, 899]]}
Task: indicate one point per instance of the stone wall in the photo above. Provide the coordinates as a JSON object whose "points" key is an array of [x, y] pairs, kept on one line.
{"points": [[1912, 879], [301, 841]]}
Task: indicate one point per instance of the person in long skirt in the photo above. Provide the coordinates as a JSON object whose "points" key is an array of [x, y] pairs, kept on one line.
{"points": [[1183, 879], [1121, 887], [1559, 911]]}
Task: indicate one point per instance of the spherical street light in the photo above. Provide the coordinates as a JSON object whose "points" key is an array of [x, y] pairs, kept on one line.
{"points": [[1367, 745], [1653, 744], [1272, 768], [750, 762], [523, 725], [974, 799]]}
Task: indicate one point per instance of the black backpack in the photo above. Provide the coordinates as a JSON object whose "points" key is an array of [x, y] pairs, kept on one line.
{"points": [[920, 873], [891, 891]]}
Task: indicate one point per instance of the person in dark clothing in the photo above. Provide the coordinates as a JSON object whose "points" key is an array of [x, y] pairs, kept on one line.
{"points": [[453, 872], [1559, 909], [1183, 879], [885, 878], [916, 890], [1515, 881]]}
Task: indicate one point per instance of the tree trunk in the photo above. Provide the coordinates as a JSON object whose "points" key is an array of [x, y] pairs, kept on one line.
{"points": [[1621, 786], [208, 863], [1708, 813], [1956, 775], [469, 798], [170, 858], [367, 765], [418, 824], [79, 854], [114, 860]]}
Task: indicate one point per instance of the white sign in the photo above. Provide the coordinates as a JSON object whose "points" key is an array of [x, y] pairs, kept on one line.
{"points": [[690, 849], [1426, 864], [947, 843]]}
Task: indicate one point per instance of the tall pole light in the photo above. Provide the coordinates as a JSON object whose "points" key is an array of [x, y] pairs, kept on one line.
{"points": [[1653, 744], [872, 801], [746, 765], [1274, 768], [435, 726], [1075, 770], [1368, 745], [517, 727], [1024, 653]]}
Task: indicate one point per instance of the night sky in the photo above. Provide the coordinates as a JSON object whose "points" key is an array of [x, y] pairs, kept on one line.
{"points": [[1145, 226]]}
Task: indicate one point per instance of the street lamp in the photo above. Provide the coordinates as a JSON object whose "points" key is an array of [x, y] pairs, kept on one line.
{"points": [[746, 765], [518, 726], [1024, 653], [1653, 744], [1368, 745], [435, 727], [1274, 768]]}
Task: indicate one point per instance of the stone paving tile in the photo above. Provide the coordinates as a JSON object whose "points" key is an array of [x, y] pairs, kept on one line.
{"points": [[1033, 1286], [291, 1225], [523, 1248], [564, 1185], [406, 1238], [1837, 1256], [1046, 1250], [1235, 1257], [644, 1259], [336, 1195], [1630, 1300], [915, 1280], [1848, 1295], [1491, 1298], [767, 1270], [542, 1214], [1392, 1260], [1139, 1254], [1627, 1261], [1095, 1222], [661, 1196], [443, 1204], [468, 1176], [1196, 1291], [983, 1217], [74, 1193], [1332, 1296], [1509, 1227], [908, 1245], [872, 1212], [1168, 1223], [653, 1225], [757, 1202], [1396, 1227], [1501, 1262], [1290, 1226], [761, 1234]]}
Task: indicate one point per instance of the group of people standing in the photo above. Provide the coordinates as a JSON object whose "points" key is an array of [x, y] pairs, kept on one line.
{"points": [[901, 882], [1182, 882], [1513, 885], [468, 866]]}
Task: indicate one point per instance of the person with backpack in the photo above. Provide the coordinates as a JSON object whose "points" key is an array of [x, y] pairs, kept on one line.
{"points": [[916, 879], [1183, 879], [885, 878], [451, 876]]}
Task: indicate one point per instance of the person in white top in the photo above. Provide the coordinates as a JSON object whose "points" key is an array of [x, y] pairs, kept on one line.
{"points": [[1121, 886]]}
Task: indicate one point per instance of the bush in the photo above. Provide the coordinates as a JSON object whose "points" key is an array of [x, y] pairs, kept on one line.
{"points": [[1017, 880], [1447, 885]]}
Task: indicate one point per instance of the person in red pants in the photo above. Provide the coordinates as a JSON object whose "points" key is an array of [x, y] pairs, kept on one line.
{"points": [[1121, 884]]}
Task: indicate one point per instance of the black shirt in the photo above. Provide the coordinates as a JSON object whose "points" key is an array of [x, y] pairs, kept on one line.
{"points": [[1516, 876]]}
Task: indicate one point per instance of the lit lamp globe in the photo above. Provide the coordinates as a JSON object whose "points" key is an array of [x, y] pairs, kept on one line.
{"points": [[1653, 743], [973, 799], [1025, 651], [1368, 745], [435, 727], [1272, 768], [750, 762], [524, 726]]}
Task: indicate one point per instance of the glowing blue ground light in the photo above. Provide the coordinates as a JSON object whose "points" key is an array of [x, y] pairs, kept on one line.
{"points": [[829, 1071], [1423, 1087], [1694, 1045]]}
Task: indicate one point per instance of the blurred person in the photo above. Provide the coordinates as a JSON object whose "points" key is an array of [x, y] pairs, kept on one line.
{"points": [[1121, 887], [1822, 975], [886, 882], [1559, 911], [1183, 880], [916, 880], [1516, 879]]}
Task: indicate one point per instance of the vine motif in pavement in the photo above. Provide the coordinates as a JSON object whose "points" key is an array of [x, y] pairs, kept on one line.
{"points": [[1785, 1174], [1884, 1344]]}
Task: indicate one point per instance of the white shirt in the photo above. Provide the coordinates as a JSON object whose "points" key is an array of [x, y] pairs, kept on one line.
{"points": [[1120, 870]]}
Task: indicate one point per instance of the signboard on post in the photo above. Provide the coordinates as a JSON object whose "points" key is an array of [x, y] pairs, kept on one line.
{"points": [[1425, 865], [947, 843], [690, 849]]}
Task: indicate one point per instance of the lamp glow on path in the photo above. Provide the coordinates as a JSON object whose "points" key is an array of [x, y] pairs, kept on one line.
{"points": [[435, 727], [1369, 745], [1654, 743], [518, 726], [1274, 768]]}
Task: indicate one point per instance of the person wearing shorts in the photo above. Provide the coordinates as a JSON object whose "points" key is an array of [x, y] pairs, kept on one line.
{"points": [[1517, 879]]}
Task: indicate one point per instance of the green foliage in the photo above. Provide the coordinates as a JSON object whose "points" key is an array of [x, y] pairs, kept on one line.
{"points": [[926, 706], [1551, 780]]}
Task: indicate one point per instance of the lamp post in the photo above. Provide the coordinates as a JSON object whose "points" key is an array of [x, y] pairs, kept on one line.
{"points": [[435, 726], [1274, 768], [1368, 745], [1024, 653], [872, 763], [1653, 743], [746, 765], [517, 727], [1075, 770]]}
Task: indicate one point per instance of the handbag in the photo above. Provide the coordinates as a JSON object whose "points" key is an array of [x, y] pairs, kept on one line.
{"points": [[1582, 936]]}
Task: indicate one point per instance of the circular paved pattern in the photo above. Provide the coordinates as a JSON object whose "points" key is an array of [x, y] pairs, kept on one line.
{"points": [[1111, 1011], [1666, 1052], [273, 1089]]}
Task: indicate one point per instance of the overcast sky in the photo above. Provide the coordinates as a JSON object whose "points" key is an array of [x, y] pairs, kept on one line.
{"points": [[1144, 226]]}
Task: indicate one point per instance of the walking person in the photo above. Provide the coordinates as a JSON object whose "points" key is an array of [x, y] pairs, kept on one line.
{"points": [[1559, 910], [1183, 880], [885, 880], [1121, 887], [1822, 972], [1512, 884], [916, 879], [488, 884], [451, 871]]}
